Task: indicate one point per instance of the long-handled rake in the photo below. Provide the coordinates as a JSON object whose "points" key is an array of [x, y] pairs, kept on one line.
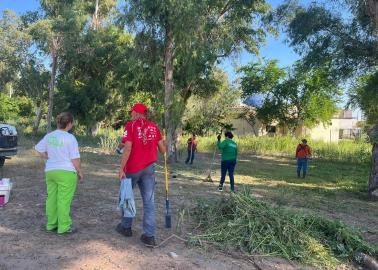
{"points": [[208, 178]]}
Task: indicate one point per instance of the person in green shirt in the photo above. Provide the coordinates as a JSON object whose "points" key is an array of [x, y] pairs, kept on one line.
{"points": [[229, 150]]}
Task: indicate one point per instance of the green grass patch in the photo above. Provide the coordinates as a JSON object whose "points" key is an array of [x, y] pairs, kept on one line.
{"points": [[346, 150], [255, 227]]}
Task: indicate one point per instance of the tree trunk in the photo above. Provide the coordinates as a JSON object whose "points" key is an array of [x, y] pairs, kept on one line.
{"points": [[38, 116], [54, 66], [373, 179], [168, 94]]}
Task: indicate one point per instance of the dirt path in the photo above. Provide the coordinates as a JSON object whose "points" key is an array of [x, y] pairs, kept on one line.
{"points": [[25, 245]]}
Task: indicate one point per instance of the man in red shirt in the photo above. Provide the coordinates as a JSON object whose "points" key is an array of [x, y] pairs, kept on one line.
{"points": [[302, 153], [192, 148], [142, 139]]}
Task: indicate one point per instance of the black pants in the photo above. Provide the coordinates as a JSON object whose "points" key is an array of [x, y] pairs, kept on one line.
{"points": [[190, 156], [228, 165]]}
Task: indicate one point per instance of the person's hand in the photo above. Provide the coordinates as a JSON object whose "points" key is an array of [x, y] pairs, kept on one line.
{"points": [[121, 174], [219, 137], [80, 176], [119, 151]]}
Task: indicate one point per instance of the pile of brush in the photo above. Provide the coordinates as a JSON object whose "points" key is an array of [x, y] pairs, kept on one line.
{"points": [[252, 226]]}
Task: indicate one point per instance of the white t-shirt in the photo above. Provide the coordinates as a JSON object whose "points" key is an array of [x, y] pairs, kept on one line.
{"points": [[61, 147]]}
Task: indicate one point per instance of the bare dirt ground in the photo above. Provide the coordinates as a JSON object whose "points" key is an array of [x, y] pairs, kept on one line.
{"points": [[25, 245]]}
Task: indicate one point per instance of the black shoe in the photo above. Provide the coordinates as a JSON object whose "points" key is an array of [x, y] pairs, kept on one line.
{"points": [[304, 175], [124, 231], [220, 188], [71, 230], [149, 241]]}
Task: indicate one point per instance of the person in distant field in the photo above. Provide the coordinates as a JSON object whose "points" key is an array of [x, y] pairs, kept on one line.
{"points": [[302, 154], [229, 150], [142, 140], [192, 148], [63, 169]]}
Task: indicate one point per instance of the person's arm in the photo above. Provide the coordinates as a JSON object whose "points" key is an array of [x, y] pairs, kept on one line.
{"points": [[125, 158], [74, 156], [77, 164], [221, 145], [41, 148], [161, 147]]}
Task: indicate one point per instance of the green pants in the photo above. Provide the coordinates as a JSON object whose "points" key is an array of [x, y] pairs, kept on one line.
{"points": [[61, 186]]}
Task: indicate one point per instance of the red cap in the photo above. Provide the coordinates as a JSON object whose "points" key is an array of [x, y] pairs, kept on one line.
{"points": [[140, 108]]}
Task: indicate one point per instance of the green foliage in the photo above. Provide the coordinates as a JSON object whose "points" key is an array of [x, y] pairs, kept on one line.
{"points": [[8, 108], [261, 79], [33, 82], [324, 36], [15, 108], [301, 96], [206, 114], [244, 223], [347, 45], [364, 95], [14, 45], [24, 105], [91, 86], [203, 32]]}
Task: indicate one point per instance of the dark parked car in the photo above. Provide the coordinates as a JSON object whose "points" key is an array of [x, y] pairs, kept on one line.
{"points": [[8, 142]]}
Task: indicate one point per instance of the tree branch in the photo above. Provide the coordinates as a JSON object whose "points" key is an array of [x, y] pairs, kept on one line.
{"points": [[226, 8]]}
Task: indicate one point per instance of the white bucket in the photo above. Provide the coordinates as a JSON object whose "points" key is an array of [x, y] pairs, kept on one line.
{"points": [[5, 190]]}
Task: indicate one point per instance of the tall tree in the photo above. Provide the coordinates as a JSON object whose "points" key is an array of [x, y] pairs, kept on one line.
{"points": [[96, 64], [192, 36], [297, 98], [48, 33], [14, 44], [33, 83], [349, 45]]}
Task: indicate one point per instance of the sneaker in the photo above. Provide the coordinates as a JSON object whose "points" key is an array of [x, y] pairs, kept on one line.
{"points": [[220, 188], [148, 241], [124, 231], [71, 230]]}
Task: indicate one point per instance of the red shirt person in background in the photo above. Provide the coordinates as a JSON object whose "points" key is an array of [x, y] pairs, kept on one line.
{"points": [[141, 140], [302, 154], [192, 148]]}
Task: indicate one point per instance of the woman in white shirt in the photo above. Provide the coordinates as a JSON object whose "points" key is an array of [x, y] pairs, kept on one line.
{"points": [[62, 170]]}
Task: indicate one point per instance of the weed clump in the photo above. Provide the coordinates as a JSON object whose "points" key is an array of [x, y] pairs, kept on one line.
{"points": [[255, 227]]}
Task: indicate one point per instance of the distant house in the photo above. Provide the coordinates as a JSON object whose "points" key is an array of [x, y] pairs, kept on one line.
{"points": [[342, 126]]}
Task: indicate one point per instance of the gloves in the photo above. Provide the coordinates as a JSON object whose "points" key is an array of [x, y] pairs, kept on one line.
{"points": [[119, 151], [219, 137]]}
